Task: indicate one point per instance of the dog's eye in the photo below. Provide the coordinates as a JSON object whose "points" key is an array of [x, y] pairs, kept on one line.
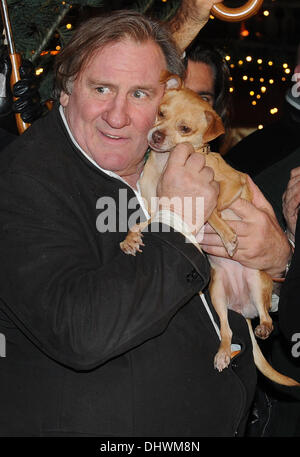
{"points": [[185, 129], [160, 114]]}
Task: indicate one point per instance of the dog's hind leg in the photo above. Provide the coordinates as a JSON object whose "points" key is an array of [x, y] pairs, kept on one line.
{"points": [[218, 294], [261, 292]]}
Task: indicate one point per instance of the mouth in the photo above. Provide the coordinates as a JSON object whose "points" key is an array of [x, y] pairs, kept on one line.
{"points": [[113, 138]]}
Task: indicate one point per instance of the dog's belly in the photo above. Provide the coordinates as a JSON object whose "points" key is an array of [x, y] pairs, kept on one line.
{"points": [[238, 282]]}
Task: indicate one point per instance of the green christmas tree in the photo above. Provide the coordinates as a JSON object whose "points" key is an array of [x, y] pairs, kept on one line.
{"points": [[42, 27]]}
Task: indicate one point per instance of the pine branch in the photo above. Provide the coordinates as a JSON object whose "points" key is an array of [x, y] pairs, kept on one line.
{"points": [[50, 31]]}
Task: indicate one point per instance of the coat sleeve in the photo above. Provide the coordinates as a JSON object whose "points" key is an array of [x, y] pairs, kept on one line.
{"points": [[79, 310]]}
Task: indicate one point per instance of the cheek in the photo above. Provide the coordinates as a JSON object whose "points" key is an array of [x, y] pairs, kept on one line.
{"points": [[145, 120]]}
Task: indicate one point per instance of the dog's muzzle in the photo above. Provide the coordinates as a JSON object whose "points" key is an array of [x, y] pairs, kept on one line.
{"points": [[157, 137]]}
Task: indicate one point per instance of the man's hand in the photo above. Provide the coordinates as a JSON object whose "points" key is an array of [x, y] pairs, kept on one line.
{"points": [[187, 187], [190, 18], [262, 244], [291, 201]]}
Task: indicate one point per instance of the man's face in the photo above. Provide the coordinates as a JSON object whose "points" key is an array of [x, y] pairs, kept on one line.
{"points": [[200, 79], [114, 102]]}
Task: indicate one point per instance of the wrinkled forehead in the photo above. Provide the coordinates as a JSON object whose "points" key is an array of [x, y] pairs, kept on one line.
{"points": [[128, 46]]}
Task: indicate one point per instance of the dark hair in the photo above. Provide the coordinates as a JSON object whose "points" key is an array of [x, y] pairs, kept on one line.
{"points": [[212, 56], [99, 31]]}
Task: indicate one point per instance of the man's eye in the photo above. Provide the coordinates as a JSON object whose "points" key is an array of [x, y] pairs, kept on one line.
{"points": [[103, 90], [139, 94], [207, 98]]}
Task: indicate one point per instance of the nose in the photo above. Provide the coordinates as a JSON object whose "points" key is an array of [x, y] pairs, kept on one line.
{"points": [[158, 136], [117, 114]]}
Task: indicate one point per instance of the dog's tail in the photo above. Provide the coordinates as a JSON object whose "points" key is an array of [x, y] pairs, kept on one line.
{"points": [[264, 367]]}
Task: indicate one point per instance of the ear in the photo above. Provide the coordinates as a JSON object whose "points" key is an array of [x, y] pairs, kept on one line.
{"points": [[171, 81], [215, 126], [64, 99]]}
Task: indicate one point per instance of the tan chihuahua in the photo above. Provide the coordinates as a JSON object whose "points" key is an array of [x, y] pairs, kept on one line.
{"points": [[183, 116]]}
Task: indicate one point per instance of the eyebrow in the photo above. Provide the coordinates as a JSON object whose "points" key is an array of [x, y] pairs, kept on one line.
{"points": [[206, 93], [150, 89]]}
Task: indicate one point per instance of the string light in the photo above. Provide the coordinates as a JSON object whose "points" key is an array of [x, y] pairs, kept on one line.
{"points": [[266, 13], [68, 26], [260, 127], [259, 61], [263, 89], [227, 58], [245, 77], [274, 110], [39, 71]]}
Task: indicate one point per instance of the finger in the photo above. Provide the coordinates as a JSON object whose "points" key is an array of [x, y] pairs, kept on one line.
{"points": [[180, 154], [292, 196], [242, 208], [218, 251], [212, 239], [195, 161], [206, 174], [293, 184], [295, 172]]}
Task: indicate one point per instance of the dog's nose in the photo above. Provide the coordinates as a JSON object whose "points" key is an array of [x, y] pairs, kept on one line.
{"points": [[158, 136]]}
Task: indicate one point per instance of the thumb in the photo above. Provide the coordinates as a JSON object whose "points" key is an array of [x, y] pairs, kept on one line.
{"points": [[258, 199], [241, 207]]}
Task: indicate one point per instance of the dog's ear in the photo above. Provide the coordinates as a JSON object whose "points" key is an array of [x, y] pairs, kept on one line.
{"points": [[171, 81], [215, 126]]}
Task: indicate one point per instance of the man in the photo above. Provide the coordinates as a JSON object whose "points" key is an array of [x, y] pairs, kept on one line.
{"points": [[208, 75], [99, 343]]}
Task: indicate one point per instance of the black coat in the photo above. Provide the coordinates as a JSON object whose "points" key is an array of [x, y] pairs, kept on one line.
{"points": [[100, 343], [264, 148]]}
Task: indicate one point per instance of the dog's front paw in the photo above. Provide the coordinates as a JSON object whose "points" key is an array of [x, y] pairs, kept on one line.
{"points": [[222, 359], [132, 243], [231, 244]]}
